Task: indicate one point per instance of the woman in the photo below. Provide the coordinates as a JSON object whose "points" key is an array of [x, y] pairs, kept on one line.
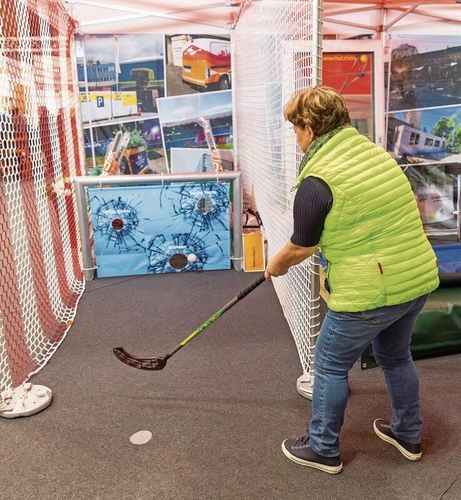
{"points": [[354, 202]]}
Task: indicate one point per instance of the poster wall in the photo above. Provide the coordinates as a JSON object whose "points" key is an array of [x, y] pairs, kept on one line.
{"points": [[123, 79], [424, 125]]}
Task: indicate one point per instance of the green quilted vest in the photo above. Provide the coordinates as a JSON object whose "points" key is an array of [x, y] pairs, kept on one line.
{"points": [[373, 240]]}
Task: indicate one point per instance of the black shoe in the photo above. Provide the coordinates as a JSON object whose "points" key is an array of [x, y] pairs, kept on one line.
{"points": [[299, 451], [408, 450]]}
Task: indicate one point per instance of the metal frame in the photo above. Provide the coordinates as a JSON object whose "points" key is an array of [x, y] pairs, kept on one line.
{"points": [[80, 183], [305, 382]]}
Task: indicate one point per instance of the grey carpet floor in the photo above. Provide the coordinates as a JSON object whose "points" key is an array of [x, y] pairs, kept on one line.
{"points": [[218, 412]]}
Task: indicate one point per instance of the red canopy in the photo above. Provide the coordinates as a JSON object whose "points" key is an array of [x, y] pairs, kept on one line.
{"points": [[217, 16]]}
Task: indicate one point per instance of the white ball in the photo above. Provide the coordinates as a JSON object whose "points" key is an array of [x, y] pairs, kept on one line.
{"points": [[191, 257]]}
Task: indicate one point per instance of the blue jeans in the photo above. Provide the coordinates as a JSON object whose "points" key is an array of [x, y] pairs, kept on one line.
{"points": [[342, 339]]}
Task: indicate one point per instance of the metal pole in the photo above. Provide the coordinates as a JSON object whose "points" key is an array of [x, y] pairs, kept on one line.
{"points": [[305, 383]]}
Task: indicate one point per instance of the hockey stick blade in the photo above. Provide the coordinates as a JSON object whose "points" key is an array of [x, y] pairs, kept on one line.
{"points": [[137, 362]]}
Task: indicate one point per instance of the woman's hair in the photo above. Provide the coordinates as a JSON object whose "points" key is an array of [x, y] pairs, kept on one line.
{"points": [[321, 108]]}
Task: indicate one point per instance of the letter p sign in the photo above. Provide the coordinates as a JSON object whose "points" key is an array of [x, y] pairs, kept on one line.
{"points": [[100, 101]]}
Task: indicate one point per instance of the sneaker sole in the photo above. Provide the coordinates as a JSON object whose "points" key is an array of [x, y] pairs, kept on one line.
{"points": [[410, 456], [324, 468]]}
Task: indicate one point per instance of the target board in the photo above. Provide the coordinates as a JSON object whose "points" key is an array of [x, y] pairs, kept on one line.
{"points": [[161, 228]]}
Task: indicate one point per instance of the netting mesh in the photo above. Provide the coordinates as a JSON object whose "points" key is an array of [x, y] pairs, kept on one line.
{"points": [[277, 52], [40, 272]]}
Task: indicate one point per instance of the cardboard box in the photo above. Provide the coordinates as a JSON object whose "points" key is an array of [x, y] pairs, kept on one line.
{"points": [[254, 258]]}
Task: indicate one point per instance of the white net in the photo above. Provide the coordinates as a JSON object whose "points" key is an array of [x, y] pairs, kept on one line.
{"points": [[277, 51], [40, 269]]}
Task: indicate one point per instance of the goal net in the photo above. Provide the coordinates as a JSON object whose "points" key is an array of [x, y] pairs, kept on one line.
{"points": [[41, 151], [276, 52]]}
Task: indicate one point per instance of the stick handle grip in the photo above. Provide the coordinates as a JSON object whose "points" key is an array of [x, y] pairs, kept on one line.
{"points": [[251, 287]]}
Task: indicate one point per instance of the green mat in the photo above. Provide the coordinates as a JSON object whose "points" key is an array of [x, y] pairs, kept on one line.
{"points": [[438, 328]]}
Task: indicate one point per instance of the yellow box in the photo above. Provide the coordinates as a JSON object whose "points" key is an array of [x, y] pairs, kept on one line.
{"points": [[253, 252]]}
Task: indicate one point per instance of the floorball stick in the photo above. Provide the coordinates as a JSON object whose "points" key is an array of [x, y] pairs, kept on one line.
{"points": [[160, 363]]}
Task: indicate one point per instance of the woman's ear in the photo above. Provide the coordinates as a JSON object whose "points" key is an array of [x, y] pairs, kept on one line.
{"points": [[310, 133]]}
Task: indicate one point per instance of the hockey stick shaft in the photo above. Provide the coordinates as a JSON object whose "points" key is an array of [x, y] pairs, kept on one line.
{"points": [[217, 315]]}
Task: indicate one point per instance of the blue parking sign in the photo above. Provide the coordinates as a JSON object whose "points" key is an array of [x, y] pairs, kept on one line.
{"points": [[100, 101]]}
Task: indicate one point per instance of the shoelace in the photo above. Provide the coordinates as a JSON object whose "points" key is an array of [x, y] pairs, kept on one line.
{"points": [[302, 442]]}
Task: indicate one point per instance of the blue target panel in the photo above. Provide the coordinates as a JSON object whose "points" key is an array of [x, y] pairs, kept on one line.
{"points": [[161, 228]]}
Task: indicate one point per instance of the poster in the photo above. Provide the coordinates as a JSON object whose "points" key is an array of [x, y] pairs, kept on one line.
{"points": [[199, 160], [424, 104], [120, 79], [181, 120], [351, 74], [197, 63]]}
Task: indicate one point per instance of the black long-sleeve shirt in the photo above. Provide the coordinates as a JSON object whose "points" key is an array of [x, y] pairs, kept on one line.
{"points": [[313, 201]]}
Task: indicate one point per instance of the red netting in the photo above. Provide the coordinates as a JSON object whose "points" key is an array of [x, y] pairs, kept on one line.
{"points": [[41, 151]]}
